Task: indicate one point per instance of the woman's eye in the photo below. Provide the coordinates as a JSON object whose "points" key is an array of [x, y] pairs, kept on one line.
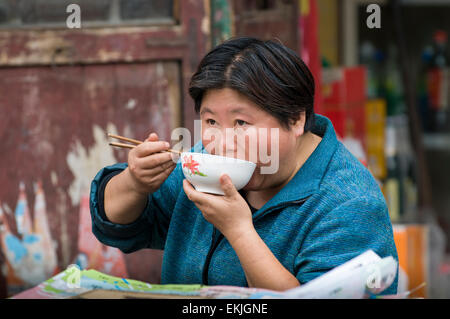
{"points": [[241, 123], [210, 121]]}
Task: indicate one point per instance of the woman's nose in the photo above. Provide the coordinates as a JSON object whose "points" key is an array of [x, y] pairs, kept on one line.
{"points": [[230, 145], [223, 142]]}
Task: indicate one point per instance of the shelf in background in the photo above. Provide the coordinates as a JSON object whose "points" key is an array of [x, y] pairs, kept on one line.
{"points": [[437, 141]]}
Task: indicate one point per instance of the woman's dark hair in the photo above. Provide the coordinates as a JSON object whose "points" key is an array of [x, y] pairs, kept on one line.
{"points": [[268, 73]]}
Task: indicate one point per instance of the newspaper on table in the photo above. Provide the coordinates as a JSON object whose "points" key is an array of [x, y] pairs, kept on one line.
{"points": [[367, 274], [363, 276]]}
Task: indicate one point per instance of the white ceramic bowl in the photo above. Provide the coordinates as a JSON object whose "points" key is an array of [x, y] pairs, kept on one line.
{"points": [[203, 171]]}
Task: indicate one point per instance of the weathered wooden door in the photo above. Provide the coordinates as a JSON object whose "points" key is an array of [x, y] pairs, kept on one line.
{"points": [[268, 19], [126, 71]]}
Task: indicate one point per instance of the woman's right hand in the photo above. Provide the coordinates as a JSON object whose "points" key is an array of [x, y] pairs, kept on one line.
{"points": [[149, 166]]}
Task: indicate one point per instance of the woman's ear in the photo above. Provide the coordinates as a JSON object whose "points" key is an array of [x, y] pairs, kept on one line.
{"points": [[298, 127]]}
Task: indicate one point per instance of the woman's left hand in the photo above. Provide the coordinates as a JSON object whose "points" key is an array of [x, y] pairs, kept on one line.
{"points": [[229, 213]]}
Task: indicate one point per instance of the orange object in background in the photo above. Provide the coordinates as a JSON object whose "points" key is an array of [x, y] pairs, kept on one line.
{"points": [[412, 249], [375, 137]]}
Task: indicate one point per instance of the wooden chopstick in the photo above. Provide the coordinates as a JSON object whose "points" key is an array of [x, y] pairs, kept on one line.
{"points": [[122, 145], [136, 142], [126, 139]]}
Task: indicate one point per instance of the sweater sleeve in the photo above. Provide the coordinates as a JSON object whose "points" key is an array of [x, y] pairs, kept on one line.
{"points": [[343, 233], [151, 227]]}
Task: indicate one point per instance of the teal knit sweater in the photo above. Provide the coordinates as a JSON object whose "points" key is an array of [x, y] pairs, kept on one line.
{"points": [[330, 212]]}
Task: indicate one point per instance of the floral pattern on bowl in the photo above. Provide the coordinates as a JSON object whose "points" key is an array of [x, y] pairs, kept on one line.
{"points": [[192, 166]]}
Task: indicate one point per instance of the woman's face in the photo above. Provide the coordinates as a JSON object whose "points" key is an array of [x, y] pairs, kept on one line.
{"points": [[234, 126]]}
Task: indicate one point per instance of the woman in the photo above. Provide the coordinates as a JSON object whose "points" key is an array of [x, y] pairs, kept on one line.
{"points": [[318, 210]]}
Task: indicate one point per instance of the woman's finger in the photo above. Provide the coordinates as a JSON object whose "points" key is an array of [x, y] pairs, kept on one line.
{"points": [[159, 169], [152, 137], [227, 186], [195, 196], [148, 148], [154, 160], [162, 176]]}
